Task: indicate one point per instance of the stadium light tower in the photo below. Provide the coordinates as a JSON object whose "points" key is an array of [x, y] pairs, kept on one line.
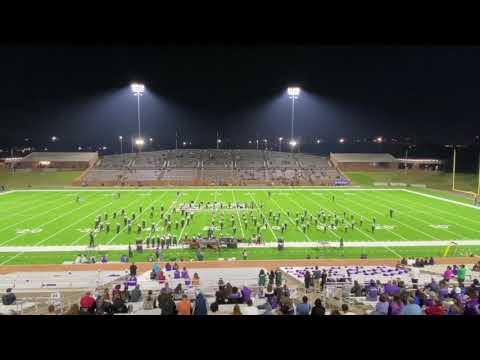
{"points": [[138, 90], [293, 93]]}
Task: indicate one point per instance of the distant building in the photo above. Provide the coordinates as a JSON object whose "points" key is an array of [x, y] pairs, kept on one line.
{"points": [[58, 160], [357, 161]]}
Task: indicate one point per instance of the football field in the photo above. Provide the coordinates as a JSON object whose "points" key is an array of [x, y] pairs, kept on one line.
{"points": [[392, 222]]}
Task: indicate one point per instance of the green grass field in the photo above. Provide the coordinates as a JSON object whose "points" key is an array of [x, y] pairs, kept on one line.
{"points": [[37, 179], [54, 218], [434, 180]]}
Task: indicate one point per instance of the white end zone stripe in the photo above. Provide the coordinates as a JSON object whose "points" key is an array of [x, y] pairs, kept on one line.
{"points": [[442, 199]]}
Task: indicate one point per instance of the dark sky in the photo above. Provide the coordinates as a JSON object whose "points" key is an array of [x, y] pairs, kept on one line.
{"points": [[81, 94]]}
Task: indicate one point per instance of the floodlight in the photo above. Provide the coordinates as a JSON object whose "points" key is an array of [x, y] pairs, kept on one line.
{"points": [[54, 138], [379, 139], [104, 148], [293, 91], [280, 139], [184, 143], [151, 139], [120, 137], [138, 89], [139, 142], [293, 143], [219, 141], [319, 141], [341, 141]]}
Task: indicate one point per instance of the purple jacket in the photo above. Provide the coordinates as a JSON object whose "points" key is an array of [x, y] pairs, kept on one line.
{"points": [[247, 294]]}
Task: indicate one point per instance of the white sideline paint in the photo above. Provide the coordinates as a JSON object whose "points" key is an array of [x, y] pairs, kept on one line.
{"points": [[7, 192], [272, 244], [339, 188], [442, 199]]}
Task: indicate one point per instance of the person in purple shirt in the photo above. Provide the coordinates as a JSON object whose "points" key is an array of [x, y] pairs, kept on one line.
{"points": [[382, 305], [391, 288], [185, 274], [246, 293], [396, 306], [176, 274], [372, 292]]}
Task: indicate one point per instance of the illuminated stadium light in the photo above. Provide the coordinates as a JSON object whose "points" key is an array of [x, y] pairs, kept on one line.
{"points": [[138, 89], [319, 141], [379, 139], [184, 143], [280, 139], [219, 141], [44, 163], [341, 141], [54, 138], [139, 142], [293, 143], [293, 91], [120, 137], [104, 148]]}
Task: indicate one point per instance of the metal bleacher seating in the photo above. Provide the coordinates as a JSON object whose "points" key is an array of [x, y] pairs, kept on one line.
{"points": [[212, 166]]}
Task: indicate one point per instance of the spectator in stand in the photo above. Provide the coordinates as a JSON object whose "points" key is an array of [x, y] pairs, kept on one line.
{"points": [[51, 310], [228, 289], [472, 305], [9, 298], [87, 303], [307, 278], [166, 304], [184, 307], [119, 305], [161, 277], [214, 308], [304, 307], [324, 279], [372, 291], [411, 308], [278, 277], [396, 306], [132, 282], [176, 274], [266, 307], [448, 274], [104, 259], [156, 268], [345, 310], [431, 261], [286, 307], [435, 309], [196, 280], [235, 297], [136, 294], [236, 310], [73, 310], [246, 293], [200, 305], [262, 278], [456, 308], [149, 301], [382, 305], [133, 270], [271, 277], [356, 289], [185, 274], [317, 276], [168, 267], [461, 273]]}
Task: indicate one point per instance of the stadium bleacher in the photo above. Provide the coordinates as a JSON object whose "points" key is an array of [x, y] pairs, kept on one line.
{"points": [[213, 166]]}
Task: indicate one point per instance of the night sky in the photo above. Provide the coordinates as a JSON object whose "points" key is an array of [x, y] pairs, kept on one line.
{"points": [[81, 93]]}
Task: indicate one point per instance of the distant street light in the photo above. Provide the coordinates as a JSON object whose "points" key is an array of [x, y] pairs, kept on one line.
{"points": [[280, 139], [54, 138], [293, 143], [120, 138], [341, 141]]}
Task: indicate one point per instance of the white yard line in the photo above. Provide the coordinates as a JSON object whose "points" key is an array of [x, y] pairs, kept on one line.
{"points": [[291, 220], [37, 215], [437, 216], [48, 222], [361, 231], [185, 224], [137, 218], [419, 219], [393, 219], [442, 199], [7, 192], [266, 218], [238, 215]]}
